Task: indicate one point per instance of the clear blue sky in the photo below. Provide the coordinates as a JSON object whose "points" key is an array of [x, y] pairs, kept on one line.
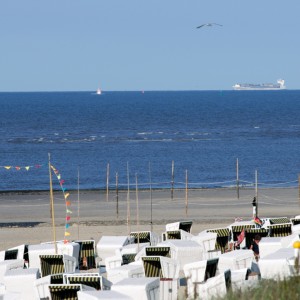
{"points": [[77, 45]]}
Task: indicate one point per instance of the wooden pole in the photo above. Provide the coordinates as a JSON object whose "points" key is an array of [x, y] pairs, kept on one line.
{"points": [[256, 193], [117, 194], [172, 181], [150, 180], [52, 206], [107, 181], [186, 193], [137, 211], [78, 206], [299, 187], [237, 179], [128, 202]]}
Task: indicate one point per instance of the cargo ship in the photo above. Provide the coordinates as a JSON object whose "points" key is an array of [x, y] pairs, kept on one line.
{"points": [[260, 87]]}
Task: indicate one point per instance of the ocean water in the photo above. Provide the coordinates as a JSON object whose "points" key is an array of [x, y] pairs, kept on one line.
{"points": [[140, 134]]}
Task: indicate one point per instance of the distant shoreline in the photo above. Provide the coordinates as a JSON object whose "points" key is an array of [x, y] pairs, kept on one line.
{"points": [[37, 192]]}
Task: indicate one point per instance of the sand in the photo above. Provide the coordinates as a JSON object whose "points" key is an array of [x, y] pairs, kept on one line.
{"points": [[25, 217]]}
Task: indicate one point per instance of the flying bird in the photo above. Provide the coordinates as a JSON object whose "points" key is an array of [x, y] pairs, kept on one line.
{"points": [[209, 24]]}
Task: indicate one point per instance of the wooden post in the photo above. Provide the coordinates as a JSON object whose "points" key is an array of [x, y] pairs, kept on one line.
{"points": [[52, 207], [128, 202], [172, 181], [186, 193], [137, 211], [117, 195], [107, 181], [78, 205], [256, 193], [299, 187], [150, 180], [237, 179]]}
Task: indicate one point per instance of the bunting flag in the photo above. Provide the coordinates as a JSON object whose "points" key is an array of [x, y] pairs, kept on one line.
{"points": [[67, 203], [18, 168]]}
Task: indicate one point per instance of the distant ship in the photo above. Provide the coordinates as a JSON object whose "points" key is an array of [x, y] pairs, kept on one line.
{"points": [[260, 87], [98, 92]]}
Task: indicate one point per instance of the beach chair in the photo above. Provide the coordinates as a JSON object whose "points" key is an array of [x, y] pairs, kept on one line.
{"points": [[94, 280], [295, 221], [159, 266], [11, 254], [152, 267], [158, 251], [41, 285], [141, 237], [250, 234], [141, 288], [173, 235], [211, 268], [108, 245], [198, 273], [282, 220], [236, 230], [66, 291], [86, 254], [55, 264], [223, 236], [176, 235], [182, 225], [128, 258], [51, 264], [280, 230], [215, 287], [21, 281]]}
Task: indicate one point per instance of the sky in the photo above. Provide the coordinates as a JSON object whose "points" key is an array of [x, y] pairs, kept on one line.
{"points": [[133, 45]]}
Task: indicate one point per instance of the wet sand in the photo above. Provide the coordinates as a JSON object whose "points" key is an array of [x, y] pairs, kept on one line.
{"points": [[26, 218]]}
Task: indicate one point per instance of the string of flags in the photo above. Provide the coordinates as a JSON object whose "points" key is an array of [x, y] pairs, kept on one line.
{"points": [[67, 202], [18, 168]]}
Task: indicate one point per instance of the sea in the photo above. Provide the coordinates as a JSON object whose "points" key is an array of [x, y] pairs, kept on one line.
{"points": [[142, 139]]}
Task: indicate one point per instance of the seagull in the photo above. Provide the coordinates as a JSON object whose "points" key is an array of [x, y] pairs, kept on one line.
{"points": [[209, 24]]}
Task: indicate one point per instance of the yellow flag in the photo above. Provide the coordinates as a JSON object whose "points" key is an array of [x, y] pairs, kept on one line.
{"points": [[27, 168], [67, 195], [7, 167], [67, 233]]}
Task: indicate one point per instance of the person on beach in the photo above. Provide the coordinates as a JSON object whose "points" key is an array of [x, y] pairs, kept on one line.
{"points": [[254, 246]]}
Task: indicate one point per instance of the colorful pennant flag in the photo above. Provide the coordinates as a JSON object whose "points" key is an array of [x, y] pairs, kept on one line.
{"points": [[68, 203], [18, 168]]}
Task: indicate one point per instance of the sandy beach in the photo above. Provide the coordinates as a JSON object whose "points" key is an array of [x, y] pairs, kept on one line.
{"points": [[26, 218]]}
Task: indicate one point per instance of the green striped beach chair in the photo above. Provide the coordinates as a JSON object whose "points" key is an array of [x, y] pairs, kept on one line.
{"points": [[152, 266], [223, 236], [92, 281], [282, 220], [158, 251], [295, 221], [173, 235], [86, 254], [51, 264], [128, 258], [280, 230], [64, 291], [56, 279], [141, 237]]}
